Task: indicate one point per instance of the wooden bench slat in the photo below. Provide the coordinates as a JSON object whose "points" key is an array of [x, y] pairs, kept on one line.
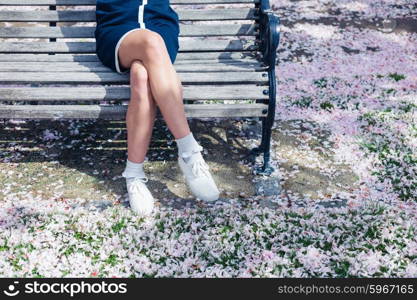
{"points": [[99, 67], [88, 32], [118, 112], [196, 44], [93, 2], [196, 57], [99, 93], [90, 15], [113, 77]]}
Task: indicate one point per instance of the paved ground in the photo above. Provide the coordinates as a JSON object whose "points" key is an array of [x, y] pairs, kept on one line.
{"points": [[37, 155], [84, 160]]}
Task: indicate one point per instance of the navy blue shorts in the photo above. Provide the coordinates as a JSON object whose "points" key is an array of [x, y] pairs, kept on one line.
{"points": [[116, 18]]}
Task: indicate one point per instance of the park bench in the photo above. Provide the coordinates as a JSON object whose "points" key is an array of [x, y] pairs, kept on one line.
{"points": [[51, 71]]}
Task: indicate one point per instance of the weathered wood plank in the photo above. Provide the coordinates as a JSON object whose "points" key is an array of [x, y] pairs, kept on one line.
{"points": [[99, 93], [88, 32], [26, 57], [118, 112], [113, 77], [196, 57], [99, 67], [90, 15], [93, 2], [196, 44]]}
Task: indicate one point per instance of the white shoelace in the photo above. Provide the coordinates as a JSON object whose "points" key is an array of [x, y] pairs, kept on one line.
{"points": [[199, 167], [134, 185]]}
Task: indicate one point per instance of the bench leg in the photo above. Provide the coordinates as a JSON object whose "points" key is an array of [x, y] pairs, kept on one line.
{"points": [[265, 148], [267, 123], [269, 36]]}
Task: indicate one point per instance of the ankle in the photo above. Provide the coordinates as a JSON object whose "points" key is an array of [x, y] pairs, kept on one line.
{"points": [[187, 144], [133, 169]]}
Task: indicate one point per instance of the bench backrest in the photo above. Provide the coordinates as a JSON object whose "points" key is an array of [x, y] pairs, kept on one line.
{"points": [[56, 18]]}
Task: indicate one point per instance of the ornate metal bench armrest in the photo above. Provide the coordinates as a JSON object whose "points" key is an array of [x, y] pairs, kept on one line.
{"points": [[269, 24]]}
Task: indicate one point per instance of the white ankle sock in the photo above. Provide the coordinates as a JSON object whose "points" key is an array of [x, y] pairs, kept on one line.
{"points": [[186, 144], [133, 170]]}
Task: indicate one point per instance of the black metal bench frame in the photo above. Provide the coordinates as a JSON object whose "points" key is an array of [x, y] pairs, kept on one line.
{"points": [[269, 35]]}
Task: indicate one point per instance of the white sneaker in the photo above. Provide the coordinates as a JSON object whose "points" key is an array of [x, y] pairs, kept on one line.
{"points": [[140, 198], [197, 175]]}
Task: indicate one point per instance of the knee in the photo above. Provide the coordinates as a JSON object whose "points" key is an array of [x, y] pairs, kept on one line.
{"points": [[154, 46]]}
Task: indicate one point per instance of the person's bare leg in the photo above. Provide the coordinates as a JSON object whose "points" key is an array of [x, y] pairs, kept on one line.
{"points": [[140, 119], [141, 113], [166, 88], [149, 47]]}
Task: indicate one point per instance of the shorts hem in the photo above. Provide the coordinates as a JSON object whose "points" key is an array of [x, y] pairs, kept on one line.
{"points": [[116, 58]]}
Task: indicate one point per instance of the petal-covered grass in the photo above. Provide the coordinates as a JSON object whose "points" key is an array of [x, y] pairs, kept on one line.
{"points": [[344, 9], [229, 239], [359, 85]]}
